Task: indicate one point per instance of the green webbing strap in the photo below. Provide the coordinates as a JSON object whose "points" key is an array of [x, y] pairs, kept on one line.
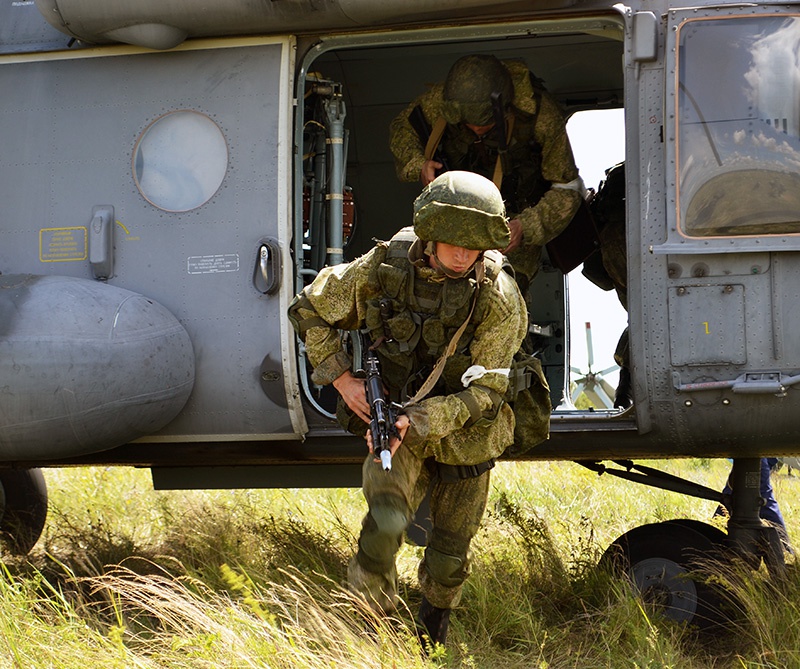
{"points": [[302, 326], [456, 473], [519, 379], [475, 411], [306, 324]]}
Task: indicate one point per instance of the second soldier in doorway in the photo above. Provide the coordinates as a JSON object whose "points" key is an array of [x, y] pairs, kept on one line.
{"points": [[495, 118], [437, 283]]}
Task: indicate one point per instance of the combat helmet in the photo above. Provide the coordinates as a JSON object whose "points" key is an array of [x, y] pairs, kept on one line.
{"points": [[469, 86], [463, 209]]}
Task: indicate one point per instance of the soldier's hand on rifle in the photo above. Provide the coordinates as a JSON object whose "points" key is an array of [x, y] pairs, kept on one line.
{"points": [[353, 393], [515, 225], [401, 424], [428, 171]]}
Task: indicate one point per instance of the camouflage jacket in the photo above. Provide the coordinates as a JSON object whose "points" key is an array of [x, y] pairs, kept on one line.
{"points": [[545, 209], [441, 425]]}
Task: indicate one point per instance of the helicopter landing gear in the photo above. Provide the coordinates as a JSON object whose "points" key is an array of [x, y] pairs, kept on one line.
{"points": [[665, 562], [751, 538]]}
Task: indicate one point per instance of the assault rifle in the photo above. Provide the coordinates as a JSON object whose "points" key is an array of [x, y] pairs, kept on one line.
{"points": [[382, 414], [423, 129]]}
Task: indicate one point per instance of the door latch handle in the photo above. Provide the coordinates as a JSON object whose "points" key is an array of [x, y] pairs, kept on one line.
{"points": [[267, 272], [101, 242]]}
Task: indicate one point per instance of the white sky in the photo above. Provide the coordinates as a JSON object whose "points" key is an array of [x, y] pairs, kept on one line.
{"points": [[598, 142]]}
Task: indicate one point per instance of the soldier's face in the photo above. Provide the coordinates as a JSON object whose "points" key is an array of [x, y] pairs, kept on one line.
{"points": [[455, 258], [480, 130]]}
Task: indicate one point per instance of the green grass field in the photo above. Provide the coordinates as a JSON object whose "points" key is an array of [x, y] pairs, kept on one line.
{"points": [[124, 576]]}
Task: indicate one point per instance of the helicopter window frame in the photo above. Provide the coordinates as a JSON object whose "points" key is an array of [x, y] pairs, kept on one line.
{"points": [[697, 166]]}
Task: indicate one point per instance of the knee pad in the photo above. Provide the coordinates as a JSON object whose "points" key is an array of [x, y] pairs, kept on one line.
{"points": [[447, 570], [381, 537], [389, 520]]}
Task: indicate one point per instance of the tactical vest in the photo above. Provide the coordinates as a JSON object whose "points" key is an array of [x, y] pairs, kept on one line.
{"points": [[414, 320]]}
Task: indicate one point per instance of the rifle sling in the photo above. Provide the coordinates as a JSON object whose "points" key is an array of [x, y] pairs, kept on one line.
{"points": [[497, 177]]}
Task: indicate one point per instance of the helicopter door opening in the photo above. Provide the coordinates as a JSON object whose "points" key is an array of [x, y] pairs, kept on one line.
{"points": [[346, 190], [597, 317]]}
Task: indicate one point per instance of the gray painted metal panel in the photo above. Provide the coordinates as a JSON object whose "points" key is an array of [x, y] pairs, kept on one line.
{"points": [[736, 288], [786, 315], [69, 131], [23, 29], [708, 325]]}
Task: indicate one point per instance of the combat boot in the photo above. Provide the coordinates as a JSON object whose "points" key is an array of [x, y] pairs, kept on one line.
{"points": [[378, 590], [435, 622], [623, 398]]}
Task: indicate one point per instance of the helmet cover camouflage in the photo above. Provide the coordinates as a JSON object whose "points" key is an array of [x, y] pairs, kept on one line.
{"points": [[468, 88], [463, 209]]}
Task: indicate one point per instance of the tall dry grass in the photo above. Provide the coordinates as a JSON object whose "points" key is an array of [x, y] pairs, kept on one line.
{"points": [[128, 577]]}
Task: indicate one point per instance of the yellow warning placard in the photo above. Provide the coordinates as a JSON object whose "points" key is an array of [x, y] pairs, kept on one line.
{"points": [[63, 244]]}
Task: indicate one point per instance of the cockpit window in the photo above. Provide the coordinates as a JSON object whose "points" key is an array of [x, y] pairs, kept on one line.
{"points": [[738, 116]]}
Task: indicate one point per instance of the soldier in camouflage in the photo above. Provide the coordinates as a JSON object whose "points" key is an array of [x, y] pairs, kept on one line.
{"points": [[438, 284], [531, 162]]}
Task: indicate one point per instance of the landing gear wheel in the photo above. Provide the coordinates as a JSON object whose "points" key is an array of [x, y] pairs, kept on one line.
{"points": [[23, 507], [666, 562]]}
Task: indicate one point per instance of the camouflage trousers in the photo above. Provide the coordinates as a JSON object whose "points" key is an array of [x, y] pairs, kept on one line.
{"points": [[393, 497]]}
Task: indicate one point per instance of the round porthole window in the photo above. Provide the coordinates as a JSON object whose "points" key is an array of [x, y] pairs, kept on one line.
{"points": [[180, 160]]}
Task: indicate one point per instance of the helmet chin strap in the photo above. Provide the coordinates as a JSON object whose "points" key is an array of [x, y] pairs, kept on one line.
{"points": [[441, 268]]}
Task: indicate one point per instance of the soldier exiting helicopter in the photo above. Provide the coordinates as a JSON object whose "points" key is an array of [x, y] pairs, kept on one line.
{"points": [[495, 118], [446, 320]]}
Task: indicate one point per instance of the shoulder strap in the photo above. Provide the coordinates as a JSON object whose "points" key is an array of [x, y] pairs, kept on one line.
{"points": [[497, 177], [435, 137]]}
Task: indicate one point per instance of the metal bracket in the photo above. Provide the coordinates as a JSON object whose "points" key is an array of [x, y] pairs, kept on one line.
{"points": [[750, 383]]}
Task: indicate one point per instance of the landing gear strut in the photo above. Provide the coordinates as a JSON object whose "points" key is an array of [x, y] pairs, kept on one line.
{"points": [[748, 535]]}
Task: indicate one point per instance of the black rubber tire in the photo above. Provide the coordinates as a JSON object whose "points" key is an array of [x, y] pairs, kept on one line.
{"points": [[24, 509], [667, 563]]}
